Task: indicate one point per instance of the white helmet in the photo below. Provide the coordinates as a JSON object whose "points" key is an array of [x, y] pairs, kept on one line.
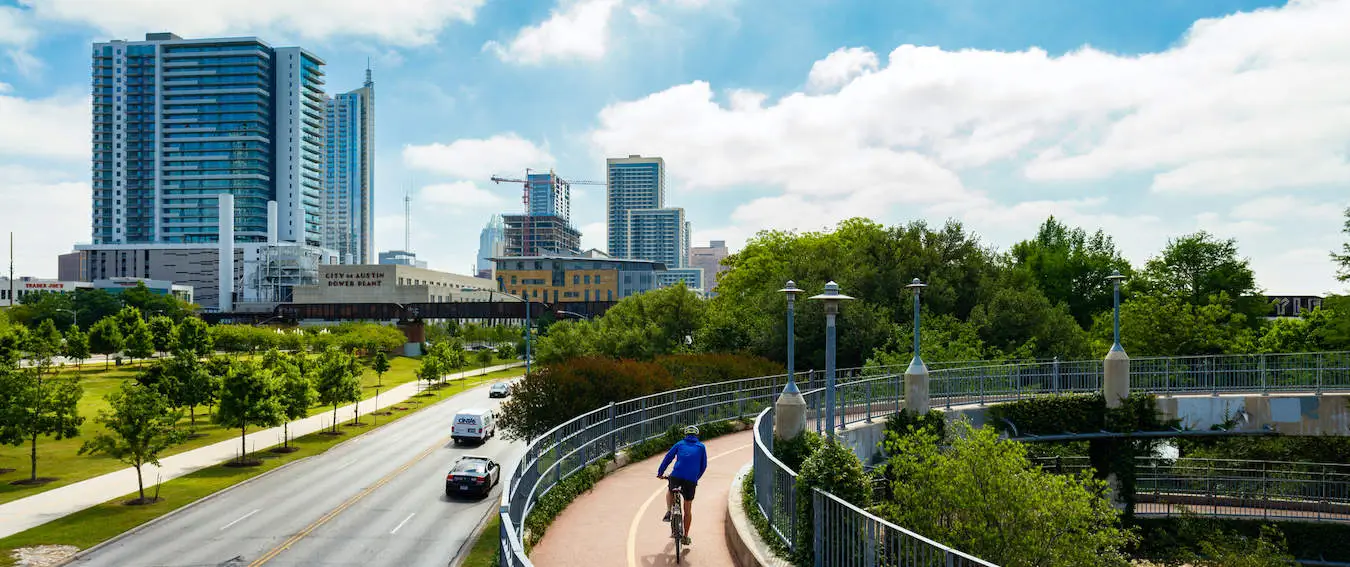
{"points": [[691, 430]]}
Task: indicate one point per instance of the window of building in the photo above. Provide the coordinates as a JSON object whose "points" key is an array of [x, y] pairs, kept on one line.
{"points": [[588, 295], [576, 279], [609, 295], [588, 280]]}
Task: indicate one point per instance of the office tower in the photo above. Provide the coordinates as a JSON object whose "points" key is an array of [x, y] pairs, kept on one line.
{"points": [[634, 182], [187, 129], [550, 196], [401, 258], [709, 259], [657, 235], [532, 235], [491, 244], [349, 177]]}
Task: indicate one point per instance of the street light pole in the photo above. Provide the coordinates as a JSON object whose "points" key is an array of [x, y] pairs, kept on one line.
{"points": [[916, 376], [789, 417], [831, 298], [791, 290], [1116, 368], [1115, 279]]}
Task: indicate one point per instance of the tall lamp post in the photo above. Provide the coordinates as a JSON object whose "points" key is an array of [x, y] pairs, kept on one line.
{"points": [[916, 376], [831, 298], [789, 417], [1116, 370], [75, 317], [1115, 278]]}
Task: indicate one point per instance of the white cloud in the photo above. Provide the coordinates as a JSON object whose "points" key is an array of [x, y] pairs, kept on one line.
{"points": [[55, 127], [477, 159], [594, 235], [459, 195], [841, 67], [39, 238], [1249, 104], [579, 31], [401, 22]]}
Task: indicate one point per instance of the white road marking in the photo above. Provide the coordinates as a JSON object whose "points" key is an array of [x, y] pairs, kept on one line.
{"points": [[244, 517], [346, 464], [400, 524]]}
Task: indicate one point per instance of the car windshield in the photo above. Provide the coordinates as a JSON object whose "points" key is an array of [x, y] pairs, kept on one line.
{"points": [[499, 386], [470, 467]]}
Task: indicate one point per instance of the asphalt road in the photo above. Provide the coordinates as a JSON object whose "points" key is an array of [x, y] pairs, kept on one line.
{"points": [[377, 500]]}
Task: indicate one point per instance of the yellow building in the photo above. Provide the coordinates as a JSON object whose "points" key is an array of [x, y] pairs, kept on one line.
{"points": [[590, 277]]}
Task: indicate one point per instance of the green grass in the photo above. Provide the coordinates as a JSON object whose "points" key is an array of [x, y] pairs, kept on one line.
{"points": [[484, 551], [61, 458], [91, 526]]}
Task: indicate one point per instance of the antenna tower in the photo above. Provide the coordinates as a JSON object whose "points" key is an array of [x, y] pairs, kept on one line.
{"points": [[407, 221]]}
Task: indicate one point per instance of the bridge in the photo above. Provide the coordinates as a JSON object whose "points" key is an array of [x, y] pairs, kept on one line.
{"points": [[488, 311], [1299, 394]]}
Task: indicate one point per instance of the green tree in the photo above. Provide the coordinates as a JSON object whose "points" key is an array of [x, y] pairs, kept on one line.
{"points": [[832, 468], [1168, 325], [1202, 270], [249, 395], [1020, 321], [380, 365], [140, 342], [506, 351], [194, 337], [483, 358], [141, 425], [1343, 258], [430, 370], [297, 390], [105, 338], [32, 406], [337, 381], [984, 497], [94, 305], [194, 383], [165, 333], [45, 341], [77, 345], [1070, 267]]}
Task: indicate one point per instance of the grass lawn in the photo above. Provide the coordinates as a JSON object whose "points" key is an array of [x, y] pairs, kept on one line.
{"points": [[61, 458], [89, 527], [484, 551]]}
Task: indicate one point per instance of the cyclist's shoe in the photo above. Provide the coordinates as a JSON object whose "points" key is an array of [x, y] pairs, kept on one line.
{"points": [[686, 540], [666, 518]]}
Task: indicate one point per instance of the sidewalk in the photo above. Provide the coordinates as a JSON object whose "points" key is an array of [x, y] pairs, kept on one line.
{"points": [[39, 509], [618, 523]]}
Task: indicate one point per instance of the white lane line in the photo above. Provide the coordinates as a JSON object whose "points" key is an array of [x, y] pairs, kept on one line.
{"points": [[400, 524], [346, 464], [244, 517]]}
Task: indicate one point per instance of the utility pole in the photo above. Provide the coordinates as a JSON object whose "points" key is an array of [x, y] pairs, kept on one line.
{"points": [[11, 269]]}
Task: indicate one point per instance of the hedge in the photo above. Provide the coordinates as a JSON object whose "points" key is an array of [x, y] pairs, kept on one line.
{"points": [[1324, 541]]}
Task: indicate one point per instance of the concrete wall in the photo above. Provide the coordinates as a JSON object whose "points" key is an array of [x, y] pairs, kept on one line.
{"points": [[1287, 414]]}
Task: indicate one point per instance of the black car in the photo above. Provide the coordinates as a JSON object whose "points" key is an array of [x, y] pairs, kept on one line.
{"points": [[472, 475]]}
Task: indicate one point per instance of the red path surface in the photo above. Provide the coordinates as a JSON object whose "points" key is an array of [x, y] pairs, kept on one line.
{"points": [[618, 523]]}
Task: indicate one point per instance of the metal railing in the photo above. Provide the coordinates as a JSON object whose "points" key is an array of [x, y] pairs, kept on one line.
{"points": [[848, 536], [775, 484]]}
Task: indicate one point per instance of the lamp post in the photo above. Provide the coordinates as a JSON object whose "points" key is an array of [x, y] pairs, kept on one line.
{"points": [[832, 298], [789, 417], [1115, 278], [916, 376], [75, 317]]}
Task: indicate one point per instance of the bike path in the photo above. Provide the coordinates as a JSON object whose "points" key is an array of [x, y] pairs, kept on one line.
{"points": [[618, 523]]}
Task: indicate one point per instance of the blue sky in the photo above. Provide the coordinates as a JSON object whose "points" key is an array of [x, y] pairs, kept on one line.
{"points": [[1147, 119]]}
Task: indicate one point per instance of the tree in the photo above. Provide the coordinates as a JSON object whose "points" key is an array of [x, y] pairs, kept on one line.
{"points": [[483, 358], [45, 341], [297, 391], [195, 337], [141, 425], [380, 366], [1070, 267], [337, 381], [1200, 268], [249, 395], [32, 406], [1020, 321], [164, 332], [984, 497], [832, 468], [105, 338], [194, 383], [506, 352], [77, 345], [1343, 259], [140, 342], [430, 370]]}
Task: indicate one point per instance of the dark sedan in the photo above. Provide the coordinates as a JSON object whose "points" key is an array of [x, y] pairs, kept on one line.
{"points": [[472, 475]]}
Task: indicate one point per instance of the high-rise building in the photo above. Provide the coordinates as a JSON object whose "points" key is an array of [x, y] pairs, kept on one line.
{"points": [[534, 235], [709, 258], [550, 196], [634, 182], [196, 141], [349, 176], [491, 244], [657, 235]]}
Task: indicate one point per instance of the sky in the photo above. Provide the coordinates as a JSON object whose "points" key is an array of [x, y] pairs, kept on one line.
{"points": [[1148, 120]]}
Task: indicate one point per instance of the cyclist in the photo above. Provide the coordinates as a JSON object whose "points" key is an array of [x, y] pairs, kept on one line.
{"points": [[691, 460]]}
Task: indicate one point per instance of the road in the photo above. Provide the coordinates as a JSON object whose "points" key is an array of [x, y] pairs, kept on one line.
{"points": [[376, 500]]}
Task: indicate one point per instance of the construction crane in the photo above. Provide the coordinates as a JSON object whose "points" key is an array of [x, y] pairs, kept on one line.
{"points": [[525, 200]]}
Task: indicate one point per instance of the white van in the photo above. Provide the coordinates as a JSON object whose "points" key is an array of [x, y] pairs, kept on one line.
{"points": [[473, 425]]}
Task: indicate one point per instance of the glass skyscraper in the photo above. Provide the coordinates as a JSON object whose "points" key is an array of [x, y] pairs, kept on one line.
{"points": [[349, 173], [549, 196], [491, 244], [177, 122], [640, 226]]}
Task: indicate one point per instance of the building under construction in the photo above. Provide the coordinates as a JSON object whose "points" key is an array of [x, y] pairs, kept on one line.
{"points": [[533, 235]]}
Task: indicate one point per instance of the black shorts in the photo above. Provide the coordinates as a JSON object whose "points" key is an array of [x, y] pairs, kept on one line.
{"points": [[686, 487]]}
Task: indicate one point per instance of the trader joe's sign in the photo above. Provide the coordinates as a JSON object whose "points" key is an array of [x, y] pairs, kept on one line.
{"points": [[354, 279]]}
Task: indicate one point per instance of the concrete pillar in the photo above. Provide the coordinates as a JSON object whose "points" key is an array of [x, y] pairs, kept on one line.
{"points": [[225, 202], [916, 387], [272, 221], [416, 332], [1116, 377], [789, 414]]}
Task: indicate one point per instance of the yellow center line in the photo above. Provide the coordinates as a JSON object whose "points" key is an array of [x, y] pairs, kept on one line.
{"points": [[270, 555], [642, 511]]}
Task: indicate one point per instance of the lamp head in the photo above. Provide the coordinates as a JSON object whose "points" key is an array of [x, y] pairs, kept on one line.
{"points": [[1115, 277], [791, 290], [832, 298], [916, 285]]}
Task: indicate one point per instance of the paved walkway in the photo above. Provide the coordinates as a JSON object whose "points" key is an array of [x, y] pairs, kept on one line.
{"points": [[44, 507], [618, 523]]}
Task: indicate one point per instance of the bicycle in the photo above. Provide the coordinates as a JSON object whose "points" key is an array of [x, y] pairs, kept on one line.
{"points": [[677, 521]]}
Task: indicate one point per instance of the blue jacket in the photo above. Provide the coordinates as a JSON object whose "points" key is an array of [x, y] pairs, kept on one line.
{"points": [[693, 460]]}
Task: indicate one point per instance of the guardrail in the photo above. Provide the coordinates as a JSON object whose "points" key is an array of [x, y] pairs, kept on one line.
{"points": [[848, 536], [775, 484]]}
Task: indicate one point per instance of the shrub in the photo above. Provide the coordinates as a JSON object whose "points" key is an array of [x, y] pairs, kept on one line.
{"points": [[695, 369], [836, 470], [559, 392], [793, 452]]}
